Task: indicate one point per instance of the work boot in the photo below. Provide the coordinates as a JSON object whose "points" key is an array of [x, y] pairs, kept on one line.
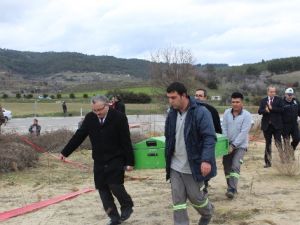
{"points": [[230, 193], [205, 220]]}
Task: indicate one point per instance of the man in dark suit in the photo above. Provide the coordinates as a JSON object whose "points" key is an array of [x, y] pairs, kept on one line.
{"points": [[271, 108], [112, 152]]}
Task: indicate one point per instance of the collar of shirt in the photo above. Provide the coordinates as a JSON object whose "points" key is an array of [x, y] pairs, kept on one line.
{"points": [[102, 120]]}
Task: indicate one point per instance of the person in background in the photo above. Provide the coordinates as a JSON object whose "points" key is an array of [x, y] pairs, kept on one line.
{"points": [[190, 154], [119, 105], [64, 107], [112, 102], [112, 153], [235, 126], [2, 118], [201, 95], [35, 128], [291, 111], [271, 108]]}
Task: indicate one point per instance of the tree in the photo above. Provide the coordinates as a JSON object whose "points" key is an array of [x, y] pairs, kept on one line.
{"points": [[85, 96], [4, 95], [72, 95], [170, 65], [18, 95], [58, 95]]}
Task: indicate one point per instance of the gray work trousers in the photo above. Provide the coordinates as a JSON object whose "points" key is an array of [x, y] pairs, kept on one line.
{"points": [[232, 167], [185, 187]]}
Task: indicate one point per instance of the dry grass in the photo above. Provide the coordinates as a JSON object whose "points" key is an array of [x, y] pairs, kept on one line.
{"points": [[54, 141], [15, 155], [288, 165]]}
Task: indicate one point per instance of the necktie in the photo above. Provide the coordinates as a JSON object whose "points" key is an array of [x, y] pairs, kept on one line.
{"points": [[101, 121]]}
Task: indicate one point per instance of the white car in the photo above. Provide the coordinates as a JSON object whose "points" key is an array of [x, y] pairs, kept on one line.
{"points": [[7, 114]]}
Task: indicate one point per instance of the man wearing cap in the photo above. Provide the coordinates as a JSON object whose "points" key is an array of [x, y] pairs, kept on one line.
{"points": [[291, 111], [271, 108]]}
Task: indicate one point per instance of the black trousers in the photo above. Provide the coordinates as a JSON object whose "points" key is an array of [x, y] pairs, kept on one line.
{"points": [[291, 130], [271, 131], [106, 194]]}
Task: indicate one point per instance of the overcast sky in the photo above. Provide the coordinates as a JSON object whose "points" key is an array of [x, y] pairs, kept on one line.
{"points": [[216, 31]]}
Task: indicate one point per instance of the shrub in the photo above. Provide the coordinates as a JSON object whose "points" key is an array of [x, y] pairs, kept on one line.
{"points": [[212, 84], [85, 96], [18, 95], [29, 96], [4, 96], [54, 141], [15, 155], [58, 96], [130, 97], [72, 95]]}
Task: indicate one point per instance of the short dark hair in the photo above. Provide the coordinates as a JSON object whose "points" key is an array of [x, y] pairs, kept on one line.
{"points": [[204, 91], [237, 95], [178, 87]]}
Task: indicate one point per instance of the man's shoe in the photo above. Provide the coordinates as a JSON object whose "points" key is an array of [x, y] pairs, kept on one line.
{"points": [[113, 222], [267, 166], [204, 221], [230, 194], [126, 213]]}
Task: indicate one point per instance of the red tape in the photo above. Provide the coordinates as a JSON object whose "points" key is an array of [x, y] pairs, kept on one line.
{"points": [[42, 150], [38, 205]]}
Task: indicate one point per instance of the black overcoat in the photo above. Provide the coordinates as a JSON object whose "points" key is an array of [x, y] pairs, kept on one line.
{"points": [[111, 146]]}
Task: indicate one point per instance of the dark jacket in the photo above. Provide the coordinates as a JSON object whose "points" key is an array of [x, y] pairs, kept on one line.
{"points": [[2, 118], [291, 111], [215, 117], [274, 117], [111, 145], [199, 136], [119, 105], [37, 129]]}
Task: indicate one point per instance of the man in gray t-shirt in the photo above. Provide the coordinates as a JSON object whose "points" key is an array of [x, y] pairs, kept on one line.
{"points": [[190, 156]]}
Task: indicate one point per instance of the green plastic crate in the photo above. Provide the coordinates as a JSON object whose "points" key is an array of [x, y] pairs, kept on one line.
{"points": [[150, 153], [222, 145]]}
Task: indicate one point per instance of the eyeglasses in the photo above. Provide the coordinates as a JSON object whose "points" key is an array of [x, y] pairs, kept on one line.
{"points": [[99, 110], [290, 95]]}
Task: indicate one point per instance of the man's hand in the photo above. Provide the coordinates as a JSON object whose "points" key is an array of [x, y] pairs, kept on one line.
{"points": [[128, 168], [269, 106], [62, 157], [205, 168], [231, 149], [267, 109]]}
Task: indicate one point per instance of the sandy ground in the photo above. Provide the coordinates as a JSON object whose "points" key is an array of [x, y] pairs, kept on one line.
{"points": [[266, 197]]}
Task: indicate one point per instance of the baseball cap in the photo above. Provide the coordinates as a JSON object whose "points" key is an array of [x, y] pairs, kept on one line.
{"points": [[289, 91]]}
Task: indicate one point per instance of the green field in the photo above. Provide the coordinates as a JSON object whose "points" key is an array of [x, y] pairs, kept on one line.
{"points": [[74, 109], [142, 89]]}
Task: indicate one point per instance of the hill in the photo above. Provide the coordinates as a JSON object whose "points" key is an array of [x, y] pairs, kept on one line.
{"points": [[33, 64]]}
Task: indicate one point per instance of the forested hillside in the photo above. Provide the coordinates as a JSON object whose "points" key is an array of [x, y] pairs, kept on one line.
{"points": [[36, 63]]}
